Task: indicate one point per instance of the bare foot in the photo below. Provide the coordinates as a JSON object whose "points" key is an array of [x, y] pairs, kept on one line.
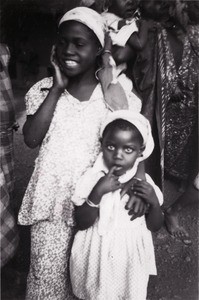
{"points": [[173, 227]]}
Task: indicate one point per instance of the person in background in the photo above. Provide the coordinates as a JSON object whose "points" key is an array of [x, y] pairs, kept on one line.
{"points": [[9, 234], [166, 75], [64, 115]]}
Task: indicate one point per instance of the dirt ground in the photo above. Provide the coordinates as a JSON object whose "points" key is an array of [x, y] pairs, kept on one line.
{"points": [[177, 264]]}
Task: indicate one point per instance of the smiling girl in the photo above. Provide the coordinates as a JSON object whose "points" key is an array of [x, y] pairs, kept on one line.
{"points": [[64, 117]]}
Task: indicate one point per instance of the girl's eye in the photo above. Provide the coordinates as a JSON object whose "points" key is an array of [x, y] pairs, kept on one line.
{"points": [[110, 147], [128, 150], [80, 44], [62, 42]]}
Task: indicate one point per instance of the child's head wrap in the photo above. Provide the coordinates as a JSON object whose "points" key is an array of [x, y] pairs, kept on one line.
{"points": [[139, 121], [88, 17]]}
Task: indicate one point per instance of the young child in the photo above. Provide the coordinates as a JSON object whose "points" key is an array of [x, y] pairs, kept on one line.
{"points": [[64, 118], [112, 257], [126, 39]]}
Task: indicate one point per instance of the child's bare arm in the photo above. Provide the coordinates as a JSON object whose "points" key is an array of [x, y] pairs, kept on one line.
{"points": [[136, 206], [154, 217], [123, 54], [86, 214], [139, 39], [37, 125]]}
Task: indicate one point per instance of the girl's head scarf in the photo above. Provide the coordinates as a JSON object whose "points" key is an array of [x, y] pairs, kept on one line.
{"points": [[139, 121], [88, 17]]}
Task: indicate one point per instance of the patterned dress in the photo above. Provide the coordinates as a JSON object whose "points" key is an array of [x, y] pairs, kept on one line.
{"points": [[70, 146], [9, 235]]}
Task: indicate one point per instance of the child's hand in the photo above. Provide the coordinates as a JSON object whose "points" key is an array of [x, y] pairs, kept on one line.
{"points": [[136, 207], [108, 183], [144, 190], [60, 80]]}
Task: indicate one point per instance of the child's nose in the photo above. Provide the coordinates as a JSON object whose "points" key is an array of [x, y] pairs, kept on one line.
{"points": [[118, 154]]}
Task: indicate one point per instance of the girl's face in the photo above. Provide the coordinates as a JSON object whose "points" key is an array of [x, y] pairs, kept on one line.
{"points": [[77, 49], [121, 148], [124, 8]]}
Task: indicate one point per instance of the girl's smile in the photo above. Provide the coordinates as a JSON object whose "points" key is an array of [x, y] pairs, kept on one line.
{"points": [[77, 49]]}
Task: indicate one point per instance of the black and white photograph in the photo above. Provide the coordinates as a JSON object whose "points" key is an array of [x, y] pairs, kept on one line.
{"points": [[99, 173]]}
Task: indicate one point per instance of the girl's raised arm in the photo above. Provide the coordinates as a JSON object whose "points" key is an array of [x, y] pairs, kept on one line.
{"points": [[37, 125]]}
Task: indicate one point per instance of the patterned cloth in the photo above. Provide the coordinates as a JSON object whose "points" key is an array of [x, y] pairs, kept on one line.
{"points": [[179, 105], [9, 237], [70, 146], [117, 254]]}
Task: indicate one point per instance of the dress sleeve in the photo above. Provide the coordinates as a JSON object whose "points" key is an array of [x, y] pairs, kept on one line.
{"points": [[36, 95], [156, 188]]}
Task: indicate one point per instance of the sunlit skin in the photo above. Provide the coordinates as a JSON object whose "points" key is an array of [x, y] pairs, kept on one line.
{"points": [[121, 148]]}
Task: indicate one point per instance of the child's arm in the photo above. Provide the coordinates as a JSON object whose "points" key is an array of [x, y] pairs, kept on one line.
{"points": [[139, 39], [86, 214], [154, 217], [37, 125], [136, 206], [123, 54]]}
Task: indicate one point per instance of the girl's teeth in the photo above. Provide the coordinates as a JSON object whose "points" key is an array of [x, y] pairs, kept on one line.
{"points": [[70, 63]]}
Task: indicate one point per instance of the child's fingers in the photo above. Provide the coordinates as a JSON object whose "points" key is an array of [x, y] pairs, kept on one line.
{"points": [[112, 170]]}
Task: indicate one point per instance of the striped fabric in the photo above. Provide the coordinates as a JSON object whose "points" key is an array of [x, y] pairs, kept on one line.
{"points": [[9, 236]]}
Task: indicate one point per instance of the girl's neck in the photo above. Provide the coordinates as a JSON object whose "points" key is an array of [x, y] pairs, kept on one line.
{"points": [[82, 87]]}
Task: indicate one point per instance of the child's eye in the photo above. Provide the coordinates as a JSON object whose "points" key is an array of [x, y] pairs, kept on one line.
{"points": [[128, 150], [110, 147]]}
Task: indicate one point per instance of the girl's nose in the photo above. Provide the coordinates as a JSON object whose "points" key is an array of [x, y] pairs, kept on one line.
{"points": [[118, 154], [69, 48]]}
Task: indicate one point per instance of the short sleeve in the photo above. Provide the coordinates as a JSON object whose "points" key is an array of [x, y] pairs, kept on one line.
{"points": [[156, 188], [36, 95]]}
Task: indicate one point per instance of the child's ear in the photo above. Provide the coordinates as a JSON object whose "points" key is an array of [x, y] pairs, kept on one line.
{"points": [[141, 150]]}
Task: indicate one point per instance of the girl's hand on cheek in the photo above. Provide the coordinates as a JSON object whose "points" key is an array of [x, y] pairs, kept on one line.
{"points": [[60, 81]]}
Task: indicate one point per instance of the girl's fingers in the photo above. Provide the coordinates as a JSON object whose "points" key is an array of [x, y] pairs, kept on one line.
{"points": [[112, 170]]}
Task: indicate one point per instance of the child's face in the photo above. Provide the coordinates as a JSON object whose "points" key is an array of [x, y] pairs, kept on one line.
{"points": [[124, 8], [77, 49], [121, 148]]}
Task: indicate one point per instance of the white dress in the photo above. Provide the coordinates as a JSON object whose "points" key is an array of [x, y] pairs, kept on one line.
{"points": [[70, 146], [114, 258]]}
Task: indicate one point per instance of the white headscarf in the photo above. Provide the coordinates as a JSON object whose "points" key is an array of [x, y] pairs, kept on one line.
{"points": [[139, 121], [88, 17]]}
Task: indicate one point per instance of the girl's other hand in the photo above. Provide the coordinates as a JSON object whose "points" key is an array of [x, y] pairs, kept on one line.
{"points": [[136, 207], [59, 80], [144, 190]]}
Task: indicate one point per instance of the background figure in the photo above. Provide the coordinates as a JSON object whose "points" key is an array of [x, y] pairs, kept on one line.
{"points": [[9, 235], [169, 86], [28, 63]]}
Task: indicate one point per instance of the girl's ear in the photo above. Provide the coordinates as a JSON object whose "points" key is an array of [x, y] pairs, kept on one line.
{"points": [[141, 150]]}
